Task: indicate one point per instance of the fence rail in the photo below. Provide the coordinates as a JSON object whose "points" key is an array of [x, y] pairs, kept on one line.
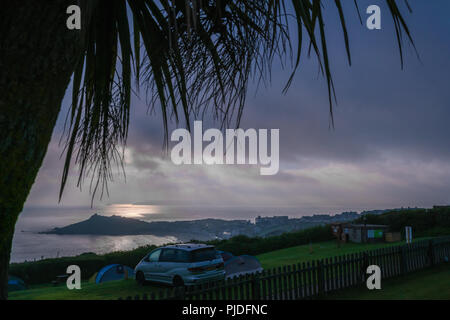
{"points": [[316, 278]]}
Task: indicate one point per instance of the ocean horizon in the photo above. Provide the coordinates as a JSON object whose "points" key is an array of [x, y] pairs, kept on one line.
{"points": [[30, 245]]}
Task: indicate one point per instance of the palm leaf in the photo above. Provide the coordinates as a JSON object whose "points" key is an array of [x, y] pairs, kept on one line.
{"points": [[197, 54]]}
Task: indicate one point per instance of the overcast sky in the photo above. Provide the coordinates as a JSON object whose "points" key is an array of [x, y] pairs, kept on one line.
{"points": [[389, 147]]}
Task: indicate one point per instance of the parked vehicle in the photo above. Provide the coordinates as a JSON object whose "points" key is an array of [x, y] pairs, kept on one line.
{"points": [[181, 264]]}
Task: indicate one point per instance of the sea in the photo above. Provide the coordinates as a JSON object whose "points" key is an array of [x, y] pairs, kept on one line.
{"points": [[30, 245]]}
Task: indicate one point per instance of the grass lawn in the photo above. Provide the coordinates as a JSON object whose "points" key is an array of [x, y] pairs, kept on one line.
{"points": [[321, 250], [111, 290], [124, 288], [428, 284]]}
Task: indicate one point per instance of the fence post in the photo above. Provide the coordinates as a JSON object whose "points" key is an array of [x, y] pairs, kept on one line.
{"points": [[402, 260], [431, 252], [320, 275], [179, 293], [256, 294], [365, 264]]}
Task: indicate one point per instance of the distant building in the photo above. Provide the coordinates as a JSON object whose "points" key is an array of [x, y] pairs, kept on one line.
{"points": [[359, 233], [441, 207], [271, 220]]}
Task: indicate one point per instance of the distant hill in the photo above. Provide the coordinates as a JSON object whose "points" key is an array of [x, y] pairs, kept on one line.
{"points": [[103, 225], [183, 230], [205, 229]]}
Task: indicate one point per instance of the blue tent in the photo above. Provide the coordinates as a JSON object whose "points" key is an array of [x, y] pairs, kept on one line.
{"points": [[113, 272], [15, 284]]}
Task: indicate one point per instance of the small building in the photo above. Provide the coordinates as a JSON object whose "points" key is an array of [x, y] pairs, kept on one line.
{"points": [[359, 233], [441, 207], [392, 237], [271, 220]]}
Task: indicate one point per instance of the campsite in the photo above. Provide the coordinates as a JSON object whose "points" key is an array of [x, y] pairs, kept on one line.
{"points": [[112, 290], [295, 255]]}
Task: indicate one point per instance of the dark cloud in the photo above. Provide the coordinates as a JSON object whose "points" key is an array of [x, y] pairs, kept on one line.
{"points": [[389, 146]]}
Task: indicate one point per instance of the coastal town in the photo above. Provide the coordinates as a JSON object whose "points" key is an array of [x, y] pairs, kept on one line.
{"points": [[203, 229]]}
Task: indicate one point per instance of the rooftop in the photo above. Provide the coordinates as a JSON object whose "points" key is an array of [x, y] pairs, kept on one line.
{"points": [[189, 246], [354, 225]]}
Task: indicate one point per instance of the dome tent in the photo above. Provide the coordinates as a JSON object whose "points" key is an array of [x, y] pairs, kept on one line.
{"points": [[15, 284], [226, 255], [113, 272], [240, 265]]}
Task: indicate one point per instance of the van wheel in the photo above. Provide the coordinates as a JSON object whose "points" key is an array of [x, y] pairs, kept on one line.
{"points": [[178, 281], [140, 279]]}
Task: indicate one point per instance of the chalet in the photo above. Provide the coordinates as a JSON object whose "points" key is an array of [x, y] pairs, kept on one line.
{"points": [[360, 233]]}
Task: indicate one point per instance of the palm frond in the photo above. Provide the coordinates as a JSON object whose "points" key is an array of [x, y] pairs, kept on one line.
{"points": [[193, 56]]}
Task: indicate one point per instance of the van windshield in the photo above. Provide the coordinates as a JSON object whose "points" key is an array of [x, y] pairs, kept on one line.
{"points": [[203, 254]]}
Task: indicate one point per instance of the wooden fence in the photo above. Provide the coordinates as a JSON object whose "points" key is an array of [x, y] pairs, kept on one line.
{"points": [[316, 278]]}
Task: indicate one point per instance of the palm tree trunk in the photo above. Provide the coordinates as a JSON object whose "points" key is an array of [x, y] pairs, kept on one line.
{"points": [[37, 57]]}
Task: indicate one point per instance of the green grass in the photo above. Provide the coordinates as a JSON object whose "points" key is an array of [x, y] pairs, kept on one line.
{"points": [[89, 291], [428, 284], [320, 250], [124, 288]]}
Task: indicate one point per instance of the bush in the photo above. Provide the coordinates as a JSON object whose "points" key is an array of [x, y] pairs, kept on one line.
{"points": [[44, 271], [424, 222], [253, 246]]}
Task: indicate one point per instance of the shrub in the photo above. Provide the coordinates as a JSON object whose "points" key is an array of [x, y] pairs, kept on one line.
{"points": [[44, 271], [424, 222]]}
